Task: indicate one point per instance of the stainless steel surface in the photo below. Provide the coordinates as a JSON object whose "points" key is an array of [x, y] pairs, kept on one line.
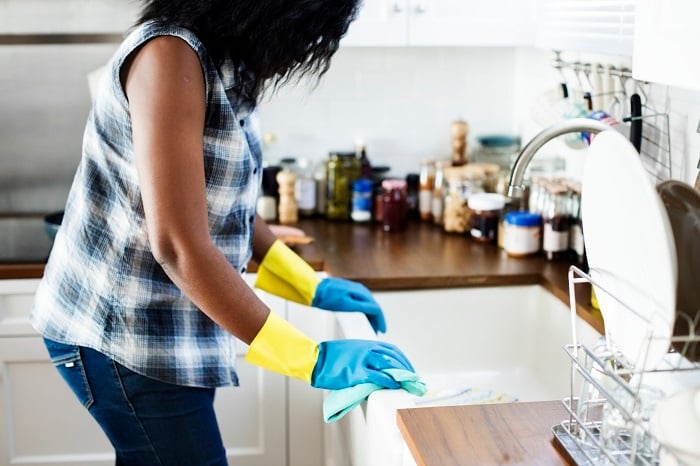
{"points": [[574, 125], [60, 39], [23, 240]]}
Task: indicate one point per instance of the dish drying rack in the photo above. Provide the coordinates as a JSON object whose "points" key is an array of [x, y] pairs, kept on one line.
{"points": [[609, 381]]}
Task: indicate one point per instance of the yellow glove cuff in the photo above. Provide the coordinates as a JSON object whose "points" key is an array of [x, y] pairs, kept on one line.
{"points": [[281, 348], [283, 273]]}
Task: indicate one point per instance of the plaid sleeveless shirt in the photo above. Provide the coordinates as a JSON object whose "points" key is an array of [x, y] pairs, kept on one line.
{"points": [[102, 287]]}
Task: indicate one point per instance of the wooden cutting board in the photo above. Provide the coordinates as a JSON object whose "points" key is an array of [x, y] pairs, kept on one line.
{"points": [[483, 435]]}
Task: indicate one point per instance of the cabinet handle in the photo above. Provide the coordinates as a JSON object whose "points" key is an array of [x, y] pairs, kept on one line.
{"points": [[419, 9], [396, 8]]}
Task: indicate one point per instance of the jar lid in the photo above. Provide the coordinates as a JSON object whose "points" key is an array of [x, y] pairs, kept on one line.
{"points": [[362, 185], [523, 219], [486, 201], [392, 183]]}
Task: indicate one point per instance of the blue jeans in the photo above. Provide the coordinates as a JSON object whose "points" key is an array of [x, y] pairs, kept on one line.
{"points": [[148, 422]]}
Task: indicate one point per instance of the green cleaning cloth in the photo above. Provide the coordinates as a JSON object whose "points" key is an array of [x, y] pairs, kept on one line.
{"points": [[339, 402]]}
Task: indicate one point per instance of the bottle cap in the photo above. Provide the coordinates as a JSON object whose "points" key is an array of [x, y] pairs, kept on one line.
{"points": [[362, 185], [523, 219]]}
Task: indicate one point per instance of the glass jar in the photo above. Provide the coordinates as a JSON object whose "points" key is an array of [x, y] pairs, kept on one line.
{"points": [[342, 169], [394, 206], [485, 210], [456, 214], [522, 235], [439, 191], [556, 225], [425, 189], [362, 200]]}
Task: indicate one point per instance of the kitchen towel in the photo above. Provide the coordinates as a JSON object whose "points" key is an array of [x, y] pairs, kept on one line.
{"points": [[339, 402]]}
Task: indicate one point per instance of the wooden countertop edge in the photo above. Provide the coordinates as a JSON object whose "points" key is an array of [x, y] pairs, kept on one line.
{"points": [[19, 271]]}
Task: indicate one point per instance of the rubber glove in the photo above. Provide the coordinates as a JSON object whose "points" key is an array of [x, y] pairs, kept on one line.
{"points": [[334, 364], [283, 273], [338, 294]]}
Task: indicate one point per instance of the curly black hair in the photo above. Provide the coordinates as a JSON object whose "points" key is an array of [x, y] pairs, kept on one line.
{"points": [[270, 41]]}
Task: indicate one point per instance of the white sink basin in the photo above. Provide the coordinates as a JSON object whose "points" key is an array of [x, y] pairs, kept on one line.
{"points": [[493, 342]]}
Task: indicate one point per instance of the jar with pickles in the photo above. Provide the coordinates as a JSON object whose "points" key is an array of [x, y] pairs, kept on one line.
{"points": [[342, 169]]}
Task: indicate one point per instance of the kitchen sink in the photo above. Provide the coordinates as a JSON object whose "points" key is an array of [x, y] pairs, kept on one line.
{"points": [[470, 345]]}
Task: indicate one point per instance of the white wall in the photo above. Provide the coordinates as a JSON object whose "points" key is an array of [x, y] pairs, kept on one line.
{"points": [[399, 100]]}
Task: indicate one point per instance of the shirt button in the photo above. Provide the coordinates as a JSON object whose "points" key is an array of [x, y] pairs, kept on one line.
{"points": [[255, 171], [242, 269], [251, 218], [241, 122]]}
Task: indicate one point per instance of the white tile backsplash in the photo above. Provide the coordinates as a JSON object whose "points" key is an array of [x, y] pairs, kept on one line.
{"points": [[400, 101]]}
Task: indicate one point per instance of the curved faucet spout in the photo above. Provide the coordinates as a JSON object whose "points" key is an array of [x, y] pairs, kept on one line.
{"points": [[573, 125]]}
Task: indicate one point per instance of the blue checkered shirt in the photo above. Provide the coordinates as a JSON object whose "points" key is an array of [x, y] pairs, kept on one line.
{"points": [[102, 287]]}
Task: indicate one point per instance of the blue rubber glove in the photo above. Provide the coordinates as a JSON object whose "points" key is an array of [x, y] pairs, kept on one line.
{"points": [[346, 363], [337, 294]]}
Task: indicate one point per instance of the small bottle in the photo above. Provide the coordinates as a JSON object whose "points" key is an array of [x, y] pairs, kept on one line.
{"points": [[439, 188], [287, 209], [394, 205], [305, 190], [556, 223], [425, 190], [343, 168], [362, 200], [365, 165], [412, 187], [459, 131]]}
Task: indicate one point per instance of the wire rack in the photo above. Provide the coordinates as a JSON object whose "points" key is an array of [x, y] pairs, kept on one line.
{"points": [[609, 404]]}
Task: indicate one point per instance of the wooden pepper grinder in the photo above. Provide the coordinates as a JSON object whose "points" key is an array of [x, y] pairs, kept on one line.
{"points": [[287, 210], [459, 131]]}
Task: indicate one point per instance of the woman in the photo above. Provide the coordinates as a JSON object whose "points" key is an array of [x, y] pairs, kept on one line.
{"points": [[143, 293]]}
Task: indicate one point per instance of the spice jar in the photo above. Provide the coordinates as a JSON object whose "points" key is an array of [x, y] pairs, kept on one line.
{"points": [[556, 223], [439, 188], [522, 235], [425, 189], [485, 209], [287, 209], [394, 207]]}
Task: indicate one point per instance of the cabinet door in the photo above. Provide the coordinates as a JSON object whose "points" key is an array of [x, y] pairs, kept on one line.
{"points": [[379, 23], [253, 417], [305, 403], [601, 26], [667, 42], [41, 421], [471, 22]]}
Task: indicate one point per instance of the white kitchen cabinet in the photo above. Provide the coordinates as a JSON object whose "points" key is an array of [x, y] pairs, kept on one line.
{"points": [[667, 42], [43, 424], [593, 26], [306, 426], [66, 16], [443, 23]]}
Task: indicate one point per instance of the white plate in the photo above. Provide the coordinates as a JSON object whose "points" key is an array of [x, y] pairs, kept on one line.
{"points": [[630, 248]]}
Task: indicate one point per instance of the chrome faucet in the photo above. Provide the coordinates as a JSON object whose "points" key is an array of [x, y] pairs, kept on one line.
{"points": [[573, 125]]}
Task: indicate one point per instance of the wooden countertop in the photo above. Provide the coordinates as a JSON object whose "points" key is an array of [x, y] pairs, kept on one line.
{"points": [[423, 256], [484, 435]]}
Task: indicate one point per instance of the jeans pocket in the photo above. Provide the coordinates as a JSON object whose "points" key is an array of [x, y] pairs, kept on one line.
{"points": [[69, 363]]}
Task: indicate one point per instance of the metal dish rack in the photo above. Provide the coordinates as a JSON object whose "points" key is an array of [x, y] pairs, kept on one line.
{"points": [[602, 380]]}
